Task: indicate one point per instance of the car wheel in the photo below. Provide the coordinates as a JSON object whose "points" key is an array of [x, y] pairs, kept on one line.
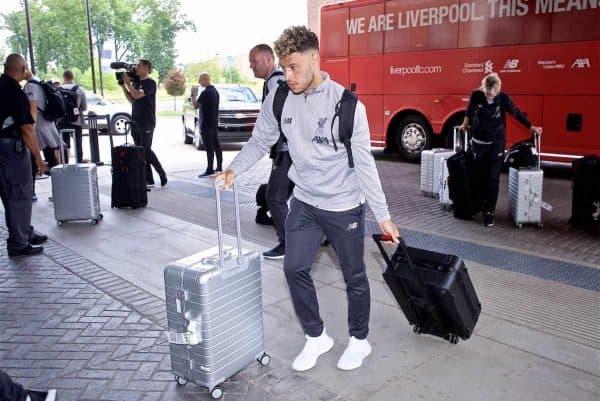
{"points": [[118, 123], [186, 138], [413, 136]]}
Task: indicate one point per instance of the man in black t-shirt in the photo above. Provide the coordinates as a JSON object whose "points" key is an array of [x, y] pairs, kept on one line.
{"points": [[142, 96], [208, 103], [17, 140]]}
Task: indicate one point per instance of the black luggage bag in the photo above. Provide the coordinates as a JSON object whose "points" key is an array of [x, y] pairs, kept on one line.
{"points": [[522, 154], [586, 194], [128, 177], [462, 185], [433, 290], [262, 214]]}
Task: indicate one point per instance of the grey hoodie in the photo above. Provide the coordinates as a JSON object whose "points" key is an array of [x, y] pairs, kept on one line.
{"points": [[322, 176]]}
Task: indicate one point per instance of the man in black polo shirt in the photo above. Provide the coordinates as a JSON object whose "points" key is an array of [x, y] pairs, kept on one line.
{"points": [[142, 96], [208, 103], [17, 140]]}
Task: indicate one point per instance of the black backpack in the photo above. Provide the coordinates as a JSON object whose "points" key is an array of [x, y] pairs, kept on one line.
{"points": [[521, 155], [344, 109], [70, 98], [262, 214], [54, 109]]}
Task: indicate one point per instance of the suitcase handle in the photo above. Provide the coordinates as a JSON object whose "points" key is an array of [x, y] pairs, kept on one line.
{"points": [[71, 132], [537, 141], [216, 185], [128, 129], [401, 252], [461, 143]]}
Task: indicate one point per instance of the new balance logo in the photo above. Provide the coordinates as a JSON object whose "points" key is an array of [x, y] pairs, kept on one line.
{"points": [[287, 120], [352, 226], [511, 64], [320, 139], [582, 63]]}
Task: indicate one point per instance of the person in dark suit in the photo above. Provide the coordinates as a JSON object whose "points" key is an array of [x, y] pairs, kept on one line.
{"points": [[208, 105], [18, 146]]}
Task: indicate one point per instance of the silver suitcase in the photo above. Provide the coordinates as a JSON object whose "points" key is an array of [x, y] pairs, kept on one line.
{"points": [[75, 192], [439, 159], [214, 312], [525, 193], [427, 170], [444, 190], [460, 142]]}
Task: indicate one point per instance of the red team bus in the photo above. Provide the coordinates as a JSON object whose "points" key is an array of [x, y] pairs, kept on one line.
{"points": [[414, 63]]}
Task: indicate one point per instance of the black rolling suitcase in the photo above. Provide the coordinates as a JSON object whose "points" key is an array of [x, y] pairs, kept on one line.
{"points": [[128, 177], [463, 179], [462, 185], [586, 194], [433, 290]]}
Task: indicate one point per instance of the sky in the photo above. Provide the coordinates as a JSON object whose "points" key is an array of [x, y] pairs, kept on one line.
{"points": [[224, 27]]}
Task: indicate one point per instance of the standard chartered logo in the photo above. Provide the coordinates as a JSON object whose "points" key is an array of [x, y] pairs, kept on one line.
{"points": [[489, 67], [416, 69]]}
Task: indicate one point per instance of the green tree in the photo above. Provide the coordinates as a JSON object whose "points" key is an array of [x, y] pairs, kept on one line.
{"points": [[162, 23], [232, 75], [174, 84], [136, 28], [213, 68]]}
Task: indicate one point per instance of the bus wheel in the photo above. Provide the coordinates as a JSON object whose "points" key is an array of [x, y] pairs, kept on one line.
{"points": [[413, 136]]}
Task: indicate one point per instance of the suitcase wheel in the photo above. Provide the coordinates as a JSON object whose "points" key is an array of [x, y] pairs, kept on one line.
{"points": [[541, 225], [60, 223], [180, 380], [94, 222], [453, 339], [417, 329], [264, 359], [520, 225], [216, 393]]}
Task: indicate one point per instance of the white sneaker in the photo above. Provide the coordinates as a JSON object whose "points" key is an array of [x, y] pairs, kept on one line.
{"points": [[50, 395], [313, 349], [355, 352]]}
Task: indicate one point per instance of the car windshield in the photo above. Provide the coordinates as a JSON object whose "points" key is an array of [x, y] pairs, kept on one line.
{"points": [[241, 94]]}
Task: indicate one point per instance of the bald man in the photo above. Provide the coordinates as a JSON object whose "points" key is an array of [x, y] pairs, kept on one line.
{"points": [[17, 140], [279, 187], [208, 103]]}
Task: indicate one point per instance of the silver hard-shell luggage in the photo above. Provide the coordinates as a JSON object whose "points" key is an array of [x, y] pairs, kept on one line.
{"points": [[461, 142], [525, 193], [439, 159], [427, 176], [444, 191], [75, 193], [214, 312]]}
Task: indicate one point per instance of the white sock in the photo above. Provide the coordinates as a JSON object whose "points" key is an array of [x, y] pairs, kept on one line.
{"points": [[313, 349], [353, 355]]}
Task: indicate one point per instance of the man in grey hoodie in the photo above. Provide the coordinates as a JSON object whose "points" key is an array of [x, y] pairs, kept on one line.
{"points": [[329, 195]]}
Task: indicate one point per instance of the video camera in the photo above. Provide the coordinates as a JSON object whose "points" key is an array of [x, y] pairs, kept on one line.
{"points": [[129, 69]]}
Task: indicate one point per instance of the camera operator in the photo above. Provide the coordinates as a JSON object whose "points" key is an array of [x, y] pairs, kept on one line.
{"points": [[142, 95]]}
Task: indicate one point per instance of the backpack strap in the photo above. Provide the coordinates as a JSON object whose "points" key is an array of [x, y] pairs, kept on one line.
{"points": [[38, 83], [74, 88], [278, 102], [266, 83], [345, 109]]}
